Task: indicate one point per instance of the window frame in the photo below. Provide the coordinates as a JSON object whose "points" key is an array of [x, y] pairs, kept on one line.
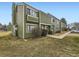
{"points": [[32, 13], [30, 27]]}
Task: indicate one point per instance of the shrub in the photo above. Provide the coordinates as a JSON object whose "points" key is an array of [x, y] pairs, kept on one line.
{"points": [[36, 32], [58, 31], [44, 32], [66, 29], [50, 32]]}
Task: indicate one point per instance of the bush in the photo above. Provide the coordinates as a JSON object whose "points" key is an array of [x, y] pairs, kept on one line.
{"points": [[36, 32], [66, 29], [44, 32], [58, 31], [50, 32]]}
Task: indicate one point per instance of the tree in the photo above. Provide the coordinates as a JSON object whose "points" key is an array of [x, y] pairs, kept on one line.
{"points": [[9, 27], [76, 26], [5, 27]]}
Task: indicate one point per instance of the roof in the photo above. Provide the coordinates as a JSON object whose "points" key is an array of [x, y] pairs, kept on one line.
{"points": [[22, 3], [50, 15], [31, 7]]}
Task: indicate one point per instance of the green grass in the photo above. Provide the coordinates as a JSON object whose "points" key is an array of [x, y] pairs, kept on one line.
{"points": [[11, 46]]}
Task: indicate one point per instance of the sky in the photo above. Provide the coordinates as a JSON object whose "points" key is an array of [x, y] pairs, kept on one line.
{"points": [[67, 10]]}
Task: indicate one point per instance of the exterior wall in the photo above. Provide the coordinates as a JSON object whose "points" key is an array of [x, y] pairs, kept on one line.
{"points": [[44, 21], [28, 30], [57, 25], [30, 21], [23, 20], [44, 18], [20, 20], [63, 26], [29, 17], [52, 25]]}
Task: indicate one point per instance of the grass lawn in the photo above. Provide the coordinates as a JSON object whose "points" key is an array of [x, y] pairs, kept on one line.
{"points": [[4, 33], [11, 46]]}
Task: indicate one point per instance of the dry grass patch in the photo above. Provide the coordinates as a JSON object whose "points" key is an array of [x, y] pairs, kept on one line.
{"points": [[11, 46], [4, 33]]}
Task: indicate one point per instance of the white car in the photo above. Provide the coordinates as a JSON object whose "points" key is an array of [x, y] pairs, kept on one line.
{"points": [[75, 31]]}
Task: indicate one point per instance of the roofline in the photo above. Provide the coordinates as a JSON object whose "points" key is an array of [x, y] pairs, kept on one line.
{"points": [[23, 3], [43, 12], [53, 16], [30, 6]]}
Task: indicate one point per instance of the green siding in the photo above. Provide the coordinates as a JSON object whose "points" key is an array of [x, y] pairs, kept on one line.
{"points": [[20, 21], [20, 16], [28, 34], [44, 18]]}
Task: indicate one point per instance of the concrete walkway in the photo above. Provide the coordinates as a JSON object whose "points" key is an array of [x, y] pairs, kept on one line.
{"points": [[59, 37]]}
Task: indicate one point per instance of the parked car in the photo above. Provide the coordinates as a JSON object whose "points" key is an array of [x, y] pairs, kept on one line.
{"points": [[75, 31]]}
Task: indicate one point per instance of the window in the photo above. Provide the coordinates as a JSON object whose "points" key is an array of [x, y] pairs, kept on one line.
{"points": [[30, 27], [53, 20], [57, 22], [32, 12], [52, 26], [37, 14], [28, 11], [43, 26]]}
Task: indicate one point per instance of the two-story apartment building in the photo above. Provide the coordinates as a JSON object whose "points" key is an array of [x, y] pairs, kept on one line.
{"points": [[26, 17]]}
